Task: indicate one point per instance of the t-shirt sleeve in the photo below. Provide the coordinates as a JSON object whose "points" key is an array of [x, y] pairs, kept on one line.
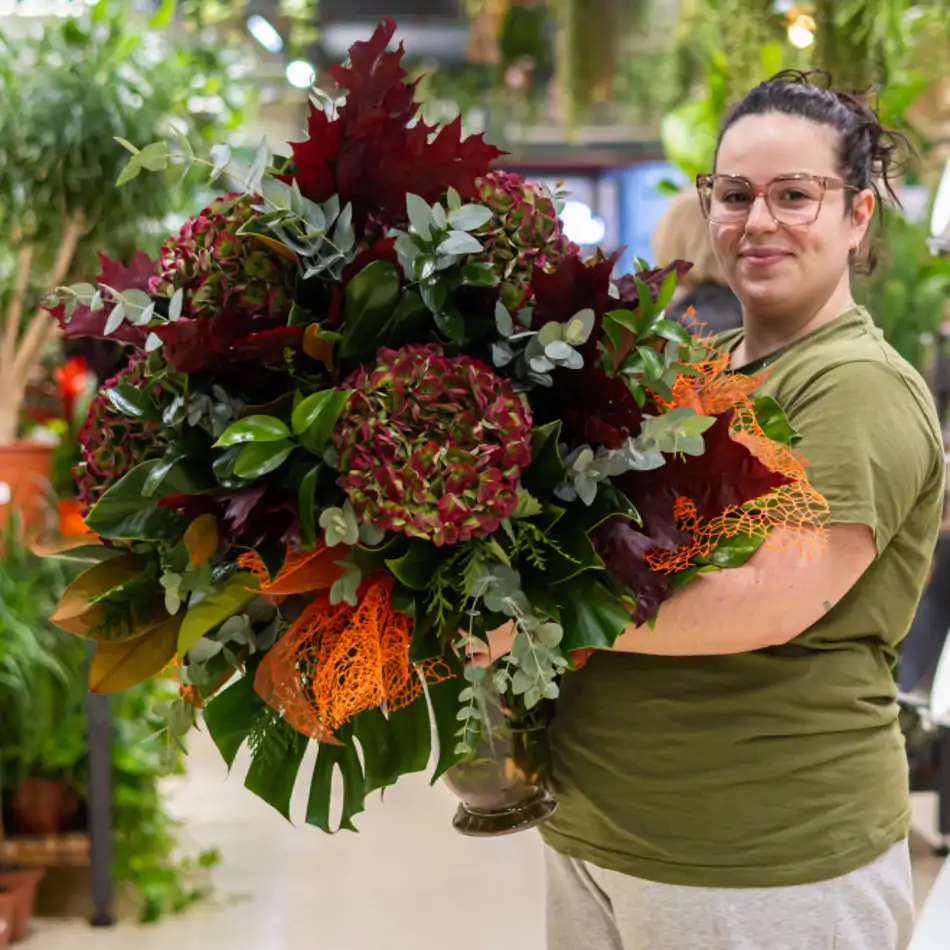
{"points": [[867, 443]]}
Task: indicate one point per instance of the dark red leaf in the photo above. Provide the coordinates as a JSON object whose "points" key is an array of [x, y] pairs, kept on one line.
{"points": [[377, 150], [316, 157], [86, 323], [725, 476], [622, 546], [572, 286], [630, 293]]}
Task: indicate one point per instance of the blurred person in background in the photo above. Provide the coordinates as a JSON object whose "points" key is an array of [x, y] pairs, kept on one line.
{"points": [[683, 234]]}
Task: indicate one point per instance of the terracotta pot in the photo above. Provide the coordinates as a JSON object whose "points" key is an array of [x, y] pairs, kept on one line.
{"points": [[8, 905], [22, 885], [26, 470], [43, 806]]}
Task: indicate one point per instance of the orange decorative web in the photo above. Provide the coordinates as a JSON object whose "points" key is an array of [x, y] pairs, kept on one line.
{"points": [[795, 507], [337, 661], [302, 573]]}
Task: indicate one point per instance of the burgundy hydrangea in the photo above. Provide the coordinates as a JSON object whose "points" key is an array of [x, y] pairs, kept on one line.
{"points": [[221, 270], [432, 446], [524, 232], [113, 443]]}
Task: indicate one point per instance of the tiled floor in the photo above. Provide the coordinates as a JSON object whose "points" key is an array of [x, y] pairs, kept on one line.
{"points": [[406, 882]]}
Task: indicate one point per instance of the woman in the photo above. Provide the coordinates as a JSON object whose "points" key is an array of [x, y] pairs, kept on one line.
{"points": [[682, 235], [735, 779]]}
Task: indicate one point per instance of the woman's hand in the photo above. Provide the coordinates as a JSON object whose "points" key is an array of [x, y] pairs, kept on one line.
{"points": [[499, 645]]}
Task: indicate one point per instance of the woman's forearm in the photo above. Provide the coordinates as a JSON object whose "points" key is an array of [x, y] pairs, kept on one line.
{"points": [[776, 596]]}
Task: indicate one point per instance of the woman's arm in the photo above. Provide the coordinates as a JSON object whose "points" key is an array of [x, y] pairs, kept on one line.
{"points": [[772, 599], [776, 596]]}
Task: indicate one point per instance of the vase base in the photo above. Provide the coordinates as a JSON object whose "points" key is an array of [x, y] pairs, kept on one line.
{"points": [[506, 821]]}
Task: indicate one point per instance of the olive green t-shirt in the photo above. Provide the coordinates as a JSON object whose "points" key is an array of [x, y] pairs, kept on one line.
{"points": [[786, 765]]}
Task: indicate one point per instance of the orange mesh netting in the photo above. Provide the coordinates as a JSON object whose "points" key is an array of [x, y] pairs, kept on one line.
{"points": [[796, 508], [302, 572], [337, 661]]}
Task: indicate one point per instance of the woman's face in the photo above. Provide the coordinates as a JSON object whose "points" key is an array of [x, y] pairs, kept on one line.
{"points": [[774, 268]]}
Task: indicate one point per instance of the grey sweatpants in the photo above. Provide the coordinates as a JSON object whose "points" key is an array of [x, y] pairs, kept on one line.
{"points": [[593, 909]]}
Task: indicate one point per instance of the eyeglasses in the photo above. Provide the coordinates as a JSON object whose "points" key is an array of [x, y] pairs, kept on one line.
{"points": [[792, 200]]}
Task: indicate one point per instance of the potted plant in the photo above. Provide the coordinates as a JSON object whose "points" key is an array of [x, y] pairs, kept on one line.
{"points": [[72, 90], [20, 884], [41, 703]]}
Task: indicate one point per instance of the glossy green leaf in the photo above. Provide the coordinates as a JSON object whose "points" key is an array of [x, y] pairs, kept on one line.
{"points": [[444, 698], [416, 567], [734, 551], [371, 297], [546, 470], [211, 612], [231, 716], [129, 401], [329, 757], [317, 437], [380, 755], [124, 503], [308, 410], [592, 617], [774, 422], [412, 735], [672, 331], [254, 429], [272, 778], [260, 458]]}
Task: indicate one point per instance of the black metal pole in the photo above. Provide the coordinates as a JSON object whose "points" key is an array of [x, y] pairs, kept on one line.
{"points": [[100, 809], [943, 788]]}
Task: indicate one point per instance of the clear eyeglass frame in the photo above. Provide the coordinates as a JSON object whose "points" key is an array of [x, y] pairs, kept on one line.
{"points": [[826, 183]]}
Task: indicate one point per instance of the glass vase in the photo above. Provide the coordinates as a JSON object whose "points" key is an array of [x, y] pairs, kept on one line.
{"points": [[501, 786]]}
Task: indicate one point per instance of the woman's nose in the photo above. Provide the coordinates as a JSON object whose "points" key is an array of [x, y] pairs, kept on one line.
{"points": [[760, 217]]}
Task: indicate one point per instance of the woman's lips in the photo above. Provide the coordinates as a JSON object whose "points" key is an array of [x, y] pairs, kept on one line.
{"points": [[763, 258]]}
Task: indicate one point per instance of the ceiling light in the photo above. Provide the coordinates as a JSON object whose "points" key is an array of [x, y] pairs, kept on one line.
{"points": [[581, 225], [301, 74], [264, 32], [801, 33]]}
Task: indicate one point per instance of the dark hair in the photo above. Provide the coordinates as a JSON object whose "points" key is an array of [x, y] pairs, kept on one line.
{"points": [[869, 155]]}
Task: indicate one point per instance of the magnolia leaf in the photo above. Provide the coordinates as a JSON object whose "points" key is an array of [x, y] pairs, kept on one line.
{"points": [[74, 612], [201, 539], [211, 612], [254, 429], [120, 665], [260, 458]]}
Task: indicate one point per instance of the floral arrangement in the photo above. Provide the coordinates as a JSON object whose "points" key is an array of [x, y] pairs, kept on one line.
{"points": [[375, 398]]}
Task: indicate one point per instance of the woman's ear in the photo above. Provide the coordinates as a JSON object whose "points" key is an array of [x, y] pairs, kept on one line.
{"points": [[862, 210]]}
